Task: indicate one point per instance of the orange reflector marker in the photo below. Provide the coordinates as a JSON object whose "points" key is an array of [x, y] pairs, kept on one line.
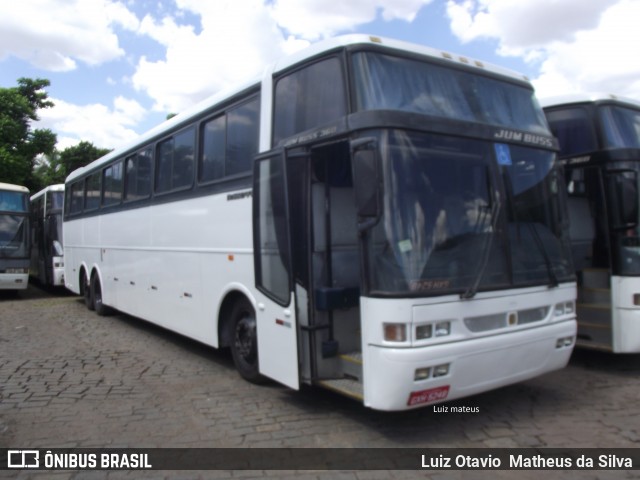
{"points": [[230, 258]]}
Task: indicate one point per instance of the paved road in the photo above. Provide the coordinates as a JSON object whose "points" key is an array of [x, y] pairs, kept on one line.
{"points": [[69, 378]]}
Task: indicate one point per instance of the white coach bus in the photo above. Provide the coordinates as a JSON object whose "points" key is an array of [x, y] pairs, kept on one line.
{"points": [[14, 237], [47, 261], [378, 218], [599, 137]]}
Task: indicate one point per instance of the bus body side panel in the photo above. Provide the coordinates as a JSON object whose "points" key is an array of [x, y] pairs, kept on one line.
{"points": [[171, 263], [476, 362], [625, 314]]}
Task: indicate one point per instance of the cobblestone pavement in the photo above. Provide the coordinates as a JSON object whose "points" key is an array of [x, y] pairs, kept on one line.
{"points": [[69, 378]]}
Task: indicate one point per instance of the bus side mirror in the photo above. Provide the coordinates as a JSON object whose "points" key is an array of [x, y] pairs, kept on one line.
{"points": [[623, 199], [366, 180]]}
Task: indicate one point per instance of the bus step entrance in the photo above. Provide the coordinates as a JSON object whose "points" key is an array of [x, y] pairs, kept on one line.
{"points": [[350, 372], [351, 365], [345, 386]]}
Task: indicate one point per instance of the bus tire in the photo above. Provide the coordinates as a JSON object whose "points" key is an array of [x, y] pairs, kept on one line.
{"points": [[86, 291], [244, 342], [96, 293]]}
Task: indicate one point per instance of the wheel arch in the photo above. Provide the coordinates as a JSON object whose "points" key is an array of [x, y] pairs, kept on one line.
{"points": [[233, 294]]}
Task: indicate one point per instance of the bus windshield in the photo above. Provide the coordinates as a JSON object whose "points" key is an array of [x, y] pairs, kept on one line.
{"points": [[13, 236], [621, 126], [461, 214], [13, 202], [385, 82]]}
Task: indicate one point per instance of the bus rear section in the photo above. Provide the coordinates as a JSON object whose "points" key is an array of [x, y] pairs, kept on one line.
{"points": [[14, 237], [600, 149]]}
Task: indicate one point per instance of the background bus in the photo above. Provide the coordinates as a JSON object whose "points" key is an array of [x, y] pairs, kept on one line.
{"points": [[14, 237], [599, 138], [47, 261], [402, 239]]}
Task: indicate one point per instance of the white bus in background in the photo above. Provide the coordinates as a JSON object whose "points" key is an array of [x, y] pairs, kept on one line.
{"points": [[599, 137], [47, 261], [14, 237], [377, 218]]}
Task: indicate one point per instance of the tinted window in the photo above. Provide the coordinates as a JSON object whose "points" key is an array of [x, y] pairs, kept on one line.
{"points": [[76, 194], [92, 193], [174, 165], [573, 129], [308, 98], [138, 176], [112, 184], [621, 126], [242, 137], [386, 82], [229, 142], [213, 149]]}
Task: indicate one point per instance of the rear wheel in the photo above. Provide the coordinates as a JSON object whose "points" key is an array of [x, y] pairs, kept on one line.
{"points": [[244, 342], [86, 291], [96, 294]]}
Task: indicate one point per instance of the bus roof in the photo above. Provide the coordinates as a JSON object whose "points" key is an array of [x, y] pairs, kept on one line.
{"points": [[13, 188], [574, 98], [51, 188], [285, 63]]}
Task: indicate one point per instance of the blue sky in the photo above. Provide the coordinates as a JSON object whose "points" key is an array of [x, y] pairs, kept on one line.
{"points": [[117, 67]]}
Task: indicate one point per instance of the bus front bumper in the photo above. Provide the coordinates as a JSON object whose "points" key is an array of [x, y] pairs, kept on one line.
{"points": [[14, 281], [464, 368]]}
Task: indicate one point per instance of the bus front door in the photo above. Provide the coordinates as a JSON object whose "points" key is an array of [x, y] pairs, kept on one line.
{"points": [[275, 301]]}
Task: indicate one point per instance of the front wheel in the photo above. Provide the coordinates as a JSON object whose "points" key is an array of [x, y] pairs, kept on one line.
{"points": [[244, 342]]}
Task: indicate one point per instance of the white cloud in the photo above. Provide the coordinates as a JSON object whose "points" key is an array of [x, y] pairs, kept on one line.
{"points": [[313, 19], [105, 127], [54, 34], [238, 38], [577, 46]]}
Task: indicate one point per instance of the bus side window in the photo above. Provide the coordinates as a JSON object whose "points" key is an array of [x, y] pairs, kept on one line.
{"points": [[137, 179], [213, 149], [92, 192], [112, 184], [242, 137], [174, 164], [308, 98], [229, 142]]}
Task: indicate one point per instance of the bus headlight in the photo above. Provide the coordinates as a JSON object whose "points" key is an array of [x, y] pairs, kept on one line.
{"points": [[564, 308], [441, 370], [443, 328], [423, 331], [16, 270], [395, 332]]}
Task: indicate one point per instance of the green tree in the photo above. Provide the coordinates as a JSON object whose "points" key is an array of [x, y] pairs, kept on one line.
{"points": [[77, 156], [19, 145]]}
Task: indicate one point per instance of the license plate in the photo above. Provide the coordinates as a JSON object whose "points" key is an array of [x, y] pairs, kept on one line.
{"points": [[427, 396]]}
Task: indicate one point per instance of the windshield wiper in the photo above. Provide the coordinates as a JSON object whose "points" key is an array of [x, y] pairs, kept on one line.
{"points": [[486, 250]]}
